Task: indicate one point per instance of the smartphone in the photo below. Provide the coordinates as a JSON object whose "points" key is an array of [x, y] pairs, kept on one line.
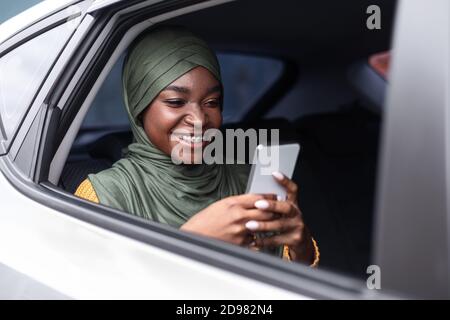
{"points": [[267, 159]]}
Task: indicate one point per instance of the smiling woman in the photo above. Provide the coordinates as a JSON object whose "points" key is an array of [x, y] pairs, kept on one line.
{"points": [[172, 82]]}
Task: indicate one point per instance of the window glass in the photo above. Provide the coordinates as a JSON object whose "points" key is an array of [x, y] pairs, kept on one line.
{"points": [[320, 108], [245, 79], [22, 72]]}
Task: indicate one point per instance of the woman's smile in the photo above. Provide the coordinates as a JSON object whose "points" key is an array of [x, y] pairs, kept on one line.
{"points": [[191, 140]]}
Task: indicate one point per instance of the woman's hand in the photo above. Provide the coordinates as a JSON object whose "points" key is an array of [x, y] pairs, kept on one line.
{"points": [[236, 219], [226, 218], [290, 225]]}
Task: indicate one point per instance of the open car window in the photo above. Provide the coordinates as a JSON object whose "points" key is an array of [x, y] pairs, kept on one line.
{"points": [[319, 109]]}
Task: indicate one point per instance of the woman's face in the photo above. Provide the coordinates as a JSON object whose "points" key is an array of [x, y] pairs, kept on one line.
{"points": [[193, 99]]}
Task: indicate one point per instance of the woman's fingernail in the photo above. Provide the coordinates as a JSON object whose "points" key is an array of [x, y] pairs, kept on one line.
{"points": [[252, 225], [278, 175], [261, 204]]}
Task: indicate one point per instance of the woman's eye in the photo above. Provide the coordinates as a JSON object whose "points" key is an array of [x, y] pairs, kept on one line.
{"points": [[213, 103], [175, 103]]}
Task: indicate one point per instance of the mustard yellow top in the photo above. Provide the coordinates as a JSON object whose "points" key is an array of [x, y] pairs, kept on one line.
{"points": [[86, 191]]}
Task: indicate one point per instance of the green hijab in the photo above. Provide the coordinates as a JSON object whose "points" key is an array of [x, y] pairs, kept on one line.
{"points": [[146, 182]]}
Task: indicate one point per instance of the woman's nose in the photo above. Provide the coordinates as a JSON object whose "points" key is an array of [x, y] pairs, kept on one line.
{"points": [[196, 115]]}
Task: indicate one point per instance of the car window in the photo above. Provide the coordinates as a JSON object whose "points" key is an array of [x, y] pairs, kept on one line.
{"points": [[245, 77], [26, 67], [9, 9], [317, 107]]}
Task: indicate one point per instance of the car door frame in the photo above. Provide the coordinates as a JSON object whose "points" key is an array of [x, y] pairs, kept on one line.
{"points": [[412, 244]]}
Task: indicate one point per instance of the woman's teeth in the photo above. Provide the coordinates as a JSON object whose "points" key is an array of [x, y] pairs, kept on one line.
{"points": [[192, 139]]}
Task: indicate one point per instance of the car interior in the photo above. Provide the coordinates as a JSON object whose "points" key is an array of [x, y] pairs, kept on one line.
{"points": [[295, 67]]}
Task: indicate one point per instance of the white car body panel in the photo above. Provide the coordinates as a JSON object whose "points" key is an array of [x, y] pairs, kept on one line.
{"points": [[83, 261]]}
